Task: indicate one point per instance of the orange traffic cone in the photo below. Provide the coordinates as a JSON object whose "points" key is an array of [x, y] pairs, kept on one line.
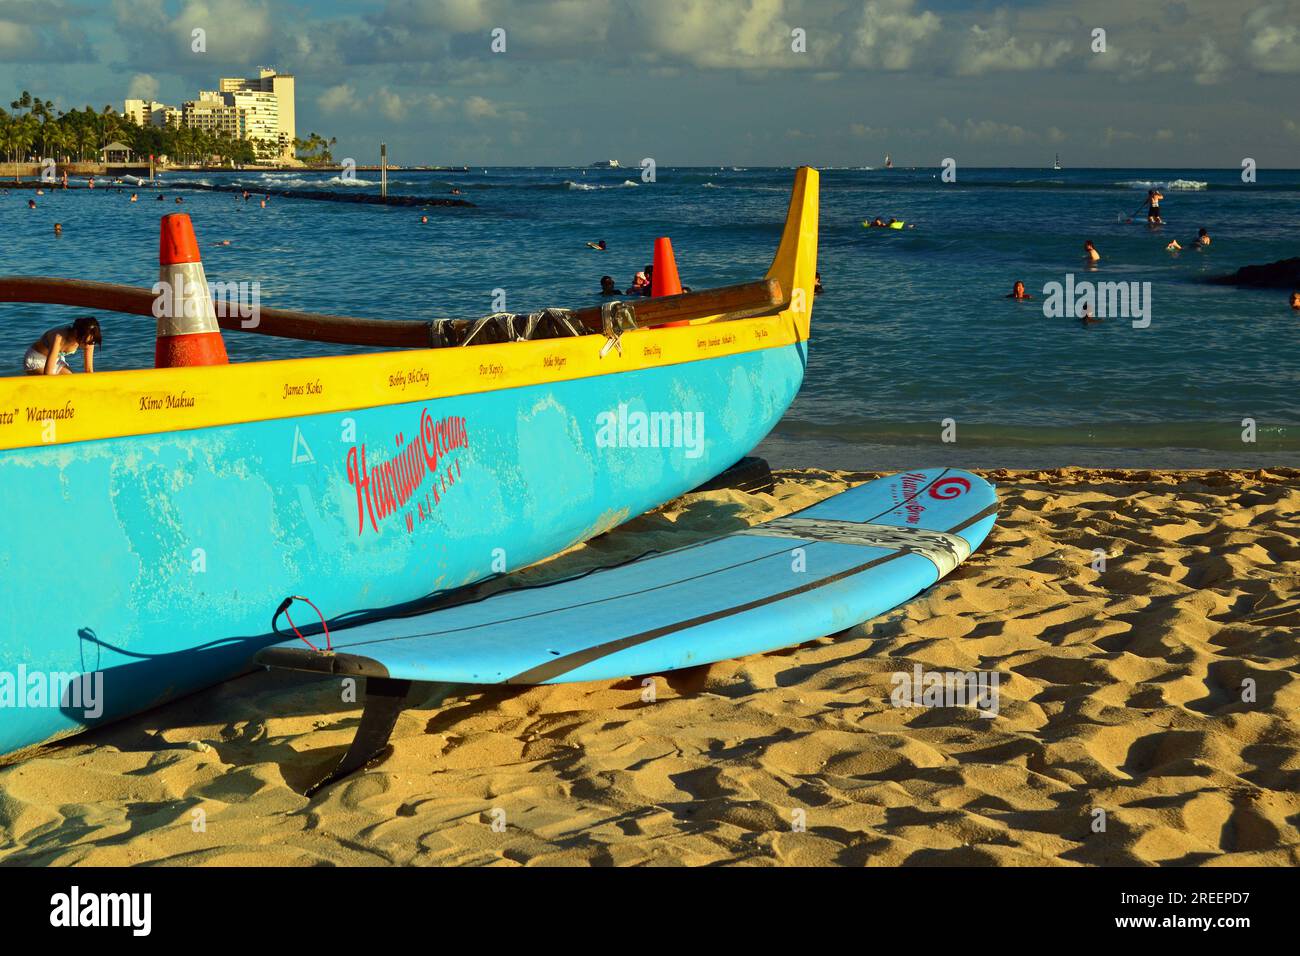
{"points": [[188, 333], [664, 281]]}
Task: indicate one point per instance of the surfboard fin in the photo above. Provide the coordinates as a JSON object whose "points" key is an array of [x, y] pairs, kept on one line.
{"points": [[385, 700]]}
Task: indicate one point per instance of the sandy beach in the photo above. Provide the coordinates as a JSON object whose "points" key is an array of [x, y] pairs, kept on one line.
{"points": [[1121, 736]]}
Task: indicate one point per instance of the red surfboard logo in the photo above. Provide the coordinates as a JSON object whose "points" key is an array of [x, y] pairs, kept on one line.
{"points": [[949, 488]]}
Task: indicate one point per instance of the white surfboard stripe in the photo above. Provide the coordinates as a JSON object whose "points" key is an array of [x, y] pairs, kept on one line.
{"points": [[944, 550]]}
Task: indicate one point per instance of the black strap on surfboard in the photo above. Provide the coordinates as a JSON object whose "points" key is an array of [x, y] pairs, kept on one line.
{"points": [[385, 700]]}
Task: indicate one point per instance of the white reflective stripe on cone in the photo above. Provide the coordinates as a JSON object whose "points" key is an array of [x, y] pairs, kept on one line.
{"points": [[191, 304]]}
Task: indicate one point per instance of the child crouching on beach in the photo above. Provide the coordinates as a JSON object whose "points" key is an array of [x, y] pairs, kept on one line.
{"points": [[48, 354]]}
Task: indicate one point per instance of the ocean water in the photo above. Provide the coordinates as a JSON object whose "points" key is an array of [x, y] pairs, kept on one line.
{"points": [[913, 329]]}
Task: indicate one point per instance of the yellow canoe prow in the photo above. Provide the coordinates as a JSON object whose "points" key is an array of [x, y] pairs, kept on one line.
{"points": [[795, 265]]}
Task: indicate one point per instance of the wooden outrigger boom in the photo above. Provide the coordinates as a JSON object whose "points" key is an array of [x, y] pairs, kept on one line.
{"points": [[728, 301]]}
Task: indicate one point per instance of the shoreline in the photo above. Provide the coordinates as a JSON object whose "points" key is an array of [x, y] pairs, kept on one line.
{"points": [[1119, 690]]}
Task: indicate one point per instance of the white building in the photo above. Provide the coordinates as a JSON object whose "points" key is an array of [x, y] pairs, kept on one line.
{"points": [[147, 112], [281, 87], [258, 108]]}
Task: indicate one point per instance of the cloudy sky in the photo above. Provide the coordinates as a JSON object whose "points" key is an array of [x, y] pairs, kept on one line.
{"points": [[1179, 82]]}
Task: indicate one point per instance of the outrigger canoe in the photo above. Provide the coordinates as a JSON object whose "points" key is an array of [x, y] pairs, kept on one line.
{"points": [[204, 496]]}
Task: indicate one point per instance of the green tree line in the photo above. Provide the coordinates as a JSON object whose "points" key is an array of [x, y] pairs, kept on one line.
{"points": [[32, 130]]}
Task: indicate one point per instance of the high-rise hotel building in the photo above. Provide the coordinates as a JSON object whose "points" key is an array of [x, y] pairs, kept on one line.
{"points": [[260, 107]]}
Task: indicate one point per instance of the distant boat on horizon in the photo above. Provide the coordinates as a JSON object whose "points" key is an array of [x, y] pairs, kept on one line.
{"points": [[606, 164], [889, 163], [1057, 164]]}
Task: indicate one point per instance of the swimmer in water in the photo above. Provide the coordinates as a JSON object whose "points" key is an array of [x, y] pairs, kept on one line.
{"points": [[1086, 315], [817, 283], [58, 228], [1018, 291], [1295, 301], [1153, 206], [1090, 251], [598, 246], [263, 204], [222, 242], [424, 219], [135, 197], [48, 354], [179, 200], [607, 286], [1173, 246], [640, 285], [161, 197], [1202, 238], [31, 204]]}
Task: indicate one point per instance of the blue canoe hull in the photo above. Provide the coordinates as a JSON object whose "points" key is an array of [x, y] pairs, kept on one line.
{"points": [[156, 562]]}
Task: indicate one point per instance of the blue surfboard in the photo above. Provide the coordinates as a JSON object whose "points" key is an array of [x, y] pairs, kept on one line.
{"points": [[835, 564], [831, 566]]}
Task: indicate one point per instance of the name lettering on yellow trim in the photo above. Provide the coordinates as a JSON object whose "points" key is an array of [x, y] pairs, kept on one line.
{"points": [[119, 404]]}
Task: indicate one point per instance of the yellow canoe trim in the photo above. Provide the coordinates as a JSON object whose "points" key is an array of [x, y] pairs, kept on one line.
{"points": [[38, 411]]}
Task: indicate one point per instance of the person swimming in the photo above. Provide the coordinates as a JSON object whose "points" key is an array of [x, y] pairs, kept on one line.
{"points": [[1090, 251], [1173, 245], [135, 197], [1295, 301], [161, 197], [1153, 206], [599, 246], [817, 283], [607, 286], [878, 223], [1202, 238], [1018, 291], [640, 285], [58, 228], [31, 204], [424, 220], [48, 355]]}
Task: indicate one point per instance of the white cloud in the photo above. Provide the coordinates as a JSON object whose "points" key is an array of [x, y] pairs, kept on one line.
{"points": [[1208, 62], [390, 104], [1273, 38], [994, 48], [890, 34], [864, 131], [988, 131], [338, 99], [476, 107], [142, 87]]}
